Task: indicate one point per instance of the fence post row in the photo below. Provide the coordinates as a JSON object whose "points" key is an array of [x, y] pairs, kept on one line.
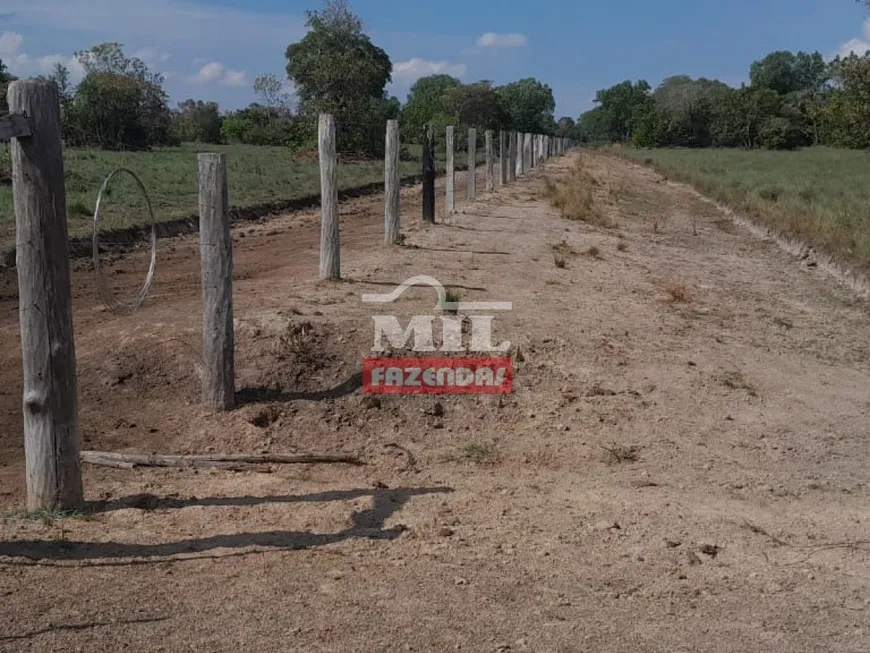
{"points": [[490, 181], [216, 258], [392, 235], [450, 204], [50, 403], [330, 248], [472, 164]]}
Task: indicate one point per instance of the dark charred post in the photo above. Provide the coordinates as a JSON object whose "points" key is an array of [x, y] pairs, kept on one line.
{"points": [[429, 176]]}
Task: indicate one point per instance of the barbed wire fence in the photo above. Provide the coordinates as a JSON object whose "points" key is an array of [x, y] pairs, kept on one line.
{"points": [[130, 204]]}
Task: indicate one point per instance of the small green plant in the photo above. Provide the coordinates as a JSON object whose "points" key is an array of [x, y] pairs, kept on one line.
{"points": [[482, 453], [46, 515], [451, 296]]}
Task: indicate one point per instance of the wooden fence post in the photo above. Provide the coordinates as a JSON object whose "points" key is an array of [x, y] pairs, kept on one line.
{"points": [[392, 236], [527, 152], [518, 155], [450, 204], [490, 179], [50, 403], [472, 164], [429, 176], [330, 244], [502, 158], [216, 257]]}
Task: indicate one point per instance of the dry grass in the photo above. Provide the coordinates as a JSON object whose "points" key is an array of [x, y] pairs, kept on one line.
{"points": [[678, 293], [574, 196], [620, 454], [593, 252]]}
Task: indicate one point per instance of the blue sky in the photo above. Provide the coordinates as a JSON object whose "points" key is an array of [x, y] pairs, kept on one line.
{"points": [[213, 49]]}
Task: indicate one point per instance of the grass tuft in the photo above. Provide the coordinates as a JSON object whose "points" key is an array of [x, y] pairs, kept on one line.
{"points": [[679, 293], [482, 453]]}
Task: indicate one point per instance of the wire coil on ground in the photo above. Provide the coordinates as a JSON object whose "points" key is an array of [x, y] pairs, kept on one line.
{"points": [[123, 307]]}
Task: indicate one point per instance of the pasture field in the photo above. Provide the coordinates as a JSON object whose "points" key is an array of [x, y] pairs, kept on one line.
{"points": [[821, 195], [257, 176]]}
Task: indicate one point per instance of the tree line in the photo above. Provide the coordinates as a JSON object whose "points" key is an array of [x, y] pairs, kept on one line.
{"points": [[335, 68], [792, 100]]}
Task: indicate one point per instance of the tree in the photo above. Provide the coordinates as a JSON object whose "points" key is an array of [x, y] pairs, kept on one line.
{"points": [[119, 103], [426, 103], [476, 105], [529, 105], [197, 121], [271, 92], [5, 78], [565, 127], [622, 105], [784, 72], [337, 70]]}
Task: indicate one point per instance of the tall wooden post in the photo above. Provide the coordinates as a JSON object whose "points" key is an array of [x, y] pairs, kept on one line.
{"points": [[429, 175], [391, 184], [490, 179], [502, 157], [330, 247], [472, 164], [50, 404], [450, 203], [216, 256], [516, 155]]}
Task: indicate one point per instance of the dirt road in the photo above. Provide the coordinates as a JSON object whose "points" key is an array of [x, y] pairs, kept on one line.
{"points": [[682, 466]]}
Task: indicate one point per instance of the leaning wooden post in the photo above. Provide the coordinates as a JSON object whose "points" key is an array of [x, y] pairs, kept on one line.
{"points": [[490, 179], [472, 164], [429, 176], [216, 256], [50, 403], [392, 236], [450, 203], [330, 247], [502, 158]]}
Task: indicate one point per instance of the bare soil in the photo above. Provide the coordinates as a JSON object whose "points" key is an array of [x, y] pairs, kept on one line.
{"points": [[682, 466]]}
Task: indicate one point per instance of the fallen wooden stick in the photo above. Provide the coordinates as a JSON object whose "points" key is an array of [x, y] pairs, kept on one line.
{"points": [[235, 462]]}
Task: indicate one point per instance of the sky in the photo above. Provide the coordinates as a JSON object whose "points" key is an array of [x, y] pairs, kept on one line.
{"points": [[213, 49]]}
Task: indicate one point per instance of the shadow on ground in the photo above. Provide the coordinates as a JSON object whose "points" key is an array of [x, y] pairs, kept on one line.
{"points": [[367, 524]]}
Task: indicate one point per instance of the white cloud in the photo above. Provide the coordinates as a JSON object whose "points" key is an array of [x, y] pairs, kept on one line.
{"points": [[415, 68], [10, 43], [859, 46], [209, 73], [23, 64], [214, 71], [494, 40], [235, 78]]}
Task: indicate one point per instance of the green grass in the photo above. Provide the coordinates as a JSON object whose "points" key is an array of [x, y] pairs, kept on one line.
{"points": [[255, 175], [820, 195]]}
